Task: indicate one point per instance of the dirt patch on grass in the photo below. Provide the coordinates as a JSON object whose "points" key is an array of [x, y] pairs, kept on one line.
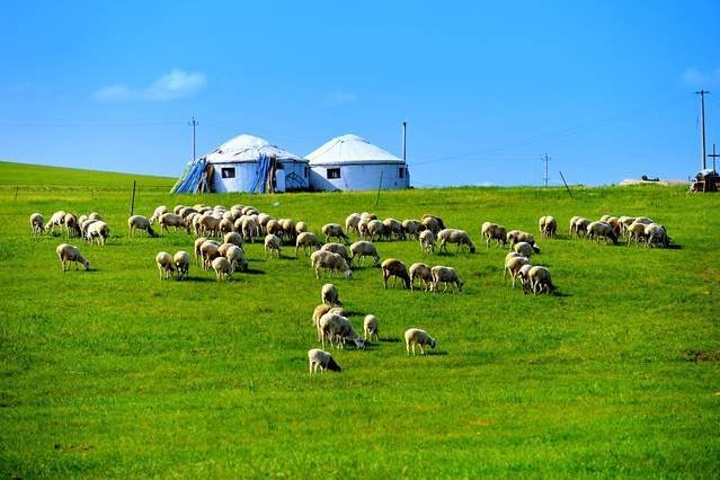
{"points": [[697, 355]]}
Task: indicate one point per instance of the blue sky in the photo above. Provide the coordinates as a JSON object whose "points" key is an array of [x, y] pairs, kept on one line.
{"points": [[605, 88]]}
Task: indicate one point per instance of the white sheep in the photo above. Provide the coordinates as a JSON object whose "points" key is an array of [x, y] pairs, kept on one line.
{"points": [[432, 222], [159, 211], [329, 295], [374, 228], [493, 231], [524, 249], [423, 273], [288, 229], [656, 235], [301, 227], [362, 249], [335, 326], [412, 228], [515, 236], [209, 250], [427, 241], [393, 267], [324, 260], [522, 274], [97, 230], [138, 222], [338, 248], [334, 230], [305, 240], [272, 245], [56, 220], [393, 227], [222, 267], [234, 238], [182, 264], [446, 276], [580, 226], [171, 220], [249, 228], [539, 280], [71, 225], [67, 253], [597, 230], [165, 264], [459, 237], [419, 337], [236, 257], [322, 360], [321, 310], [351, 223], [37, 223], [370, 328], [548, 226], [513, 266]]}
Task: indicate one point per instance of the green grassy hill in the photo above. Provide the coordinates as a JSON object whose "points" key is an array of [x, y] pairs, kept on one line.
{"points": [[115, 373], [27, 175]]}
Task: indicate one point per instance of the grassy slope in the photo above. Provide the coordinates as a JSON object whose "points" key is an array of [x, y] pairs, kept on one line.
{"points": [[20, 174], [115, 373]]}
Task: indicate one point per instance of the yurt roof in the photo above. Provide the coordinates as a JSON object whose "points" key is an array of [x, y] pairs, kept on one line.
{"points": [[347, 149], [248, 148]]}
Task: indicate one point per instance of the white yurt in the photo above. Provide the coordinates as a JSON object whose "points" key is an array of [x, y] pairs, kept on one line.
{"points": [[350, 162], [246, 164]]}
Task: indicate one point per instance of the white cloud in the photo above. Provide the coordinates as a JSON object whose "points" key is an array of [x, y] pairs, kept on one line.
{"points": [[340, 98], [695, 78], [173, 85]]}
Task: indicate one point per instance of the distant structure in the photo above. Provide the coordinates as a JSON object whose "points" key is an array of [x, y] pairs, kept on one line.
{"points": [[245, 164], [349, 162]]}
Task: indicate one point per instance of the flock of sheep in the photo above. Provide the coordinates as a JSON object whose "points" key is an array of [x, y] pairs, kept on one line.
{"points": [[221, 234]]}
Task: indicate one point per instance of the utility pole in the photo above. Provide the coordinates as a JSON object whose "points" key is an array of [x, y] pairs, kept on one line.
{"points": [[194, 123], [546, 159], [702, 119]]}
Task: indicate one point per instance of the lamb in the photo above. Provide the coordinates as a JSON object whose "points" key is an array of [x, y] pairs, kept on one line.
{"points": [[446, 275], [421, 272], [548, 226], [98, 230], [334, 230], [393, 267], [305, 240], [165, 264], [351, 223], [182, 264], [656, 235], [37, 223], [71, 225], [56, 220], [138, 222], [597, 230], [412, 228], [336, 326], [427, 241], [236, 257], [539, 280], [338, 248], [513, 266], [419, 337], [493, 231], [364, 249], [68, 253], [222, 267], [322, 360], [524, 249], [171, 220], [370, 328], [460, 237], [329, 295], [272, 245], [324, 260], [159, 211]]}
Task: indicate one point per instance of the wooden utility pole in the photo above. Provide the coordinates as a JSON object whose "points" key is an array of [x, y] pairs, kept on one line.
{"points": [[702, 121], [193, 123]]}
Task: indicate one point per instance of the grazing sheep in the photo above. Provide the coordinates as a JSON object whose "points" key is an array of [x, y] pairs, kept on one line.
{"points": [[432, 222], [222, 267], [515, 236], [597, 230], [329, 295], [209, 250], [263, 220], [234, 238], [171, 220], [368, 216], [288, 228], [159, 211], [393, 227], [370, 328], [375, 228], [198, 253], [351, 223], [68, 253], [459, 237], [412, 228], [208, 225], [363, 228], [56, 220], [273, 226], [445, 275], [165, 264], [338, 248], [305, 240], [364, 249], [539, 280], [493, 231], [333, 325], [524, 249], [250, 210], [321, 310], [656, 235], [572, 224], [427, 241], [97, 230], [96, 216], [423, 273], [522, 274], [419, 337], [236, 257], [334, 230], [301, 227], [182, 264], [226, 226], [322, 360], [138, 222], [324, 260], [393, 267], [272, 245], [513, 266], [71, 225], [580, 226], [548, 226], [249, 228], [84, 225], [37, 223]]}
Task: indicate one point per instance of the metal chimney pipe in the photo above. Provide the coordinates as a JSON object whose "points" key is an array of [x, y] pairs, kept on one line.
{"points": [[404, 141]]}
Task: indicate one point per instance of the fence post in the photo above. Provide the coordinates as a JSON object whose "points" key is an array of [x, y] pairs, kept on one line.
{"points": [[17, 189], [132, 205]]}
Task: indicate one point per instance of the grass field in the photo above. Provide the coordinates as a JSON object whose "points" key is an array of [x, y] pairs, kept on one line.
{"points": [[115, 373]]}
